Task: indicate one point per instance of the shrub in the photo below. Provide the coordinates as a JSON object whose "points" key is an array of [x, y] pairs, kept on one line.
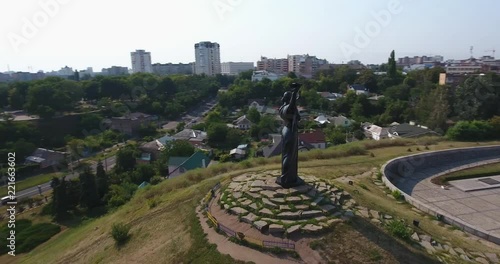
{"points": [[29, 236], [152, 203], [47, 209], [399, 229], [397, 195], [471, 131], [363, 186], [156, 179], [35, 235], [120, 234]]}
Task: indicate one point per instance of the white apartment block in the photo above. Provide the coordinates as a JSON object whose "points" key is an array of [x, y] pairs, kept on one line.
{"points": [[234, 68], [207, 55], [141, 61]]}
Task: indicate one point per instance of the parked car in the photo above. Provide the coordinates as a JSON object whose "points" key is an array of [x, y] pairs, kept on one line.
{"points": [[7, 199]]}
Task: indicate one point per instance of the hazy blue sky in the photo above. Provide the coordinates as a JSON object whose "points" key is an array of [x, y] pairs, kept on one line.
{"points": [[103, 33]]}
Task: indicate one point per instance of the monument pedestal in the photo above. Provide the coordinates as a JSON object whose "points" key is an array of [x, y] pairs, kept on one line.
{"points": [[298, 181]]}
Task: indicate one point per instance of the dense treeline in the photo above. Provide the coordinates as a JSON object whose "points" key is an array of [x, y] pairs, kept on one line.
{"points": [[164, 96], [102, 97], [105, 190], [415, 96]]}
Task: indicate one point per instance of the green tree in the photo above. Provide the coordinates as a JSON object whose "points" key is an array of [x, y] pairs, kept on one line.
{"points": [[59, 198], [471, 131], [391, 63], [180, 148], [143, 173], [440, 106], [90, 121], [214, 117], [17, 94], [180, 126], [476, 98], [234, 138], [253, 115], [217, 134], [292, 75], [126, 159], [89, 196], [368, 79], [4, 96], [102, 180]]}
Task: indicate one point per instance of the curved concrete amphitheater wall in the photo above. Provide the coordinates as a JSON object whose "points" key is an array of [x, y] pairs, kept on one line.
{"points": [[405, 172]]}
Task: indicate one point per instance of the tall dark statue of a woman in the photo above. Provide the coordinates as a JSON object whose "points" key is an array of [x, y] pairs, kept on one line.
{"points": [[290, 139]]}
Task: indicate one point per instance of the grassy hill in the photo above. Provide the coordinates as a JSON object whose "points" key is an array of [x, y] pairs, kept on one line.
{"points": [[171, 233]]}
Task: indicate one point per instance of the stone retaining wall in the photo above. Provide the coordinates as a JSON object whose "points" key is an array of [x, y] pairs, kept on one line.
{"points": [[399, 171]]}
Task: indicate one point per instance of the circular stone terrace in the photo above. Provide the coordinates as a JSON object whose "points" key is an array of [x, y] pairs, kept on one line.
{"points": [[261, 204]]}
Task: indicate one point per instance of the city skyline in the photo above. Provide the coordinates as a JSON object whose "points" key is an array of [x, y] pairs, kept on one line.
{"points": [[78, 34]]}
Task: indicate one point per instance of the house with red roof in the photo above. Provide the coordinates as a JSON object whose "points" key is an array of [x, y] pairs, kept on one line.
{"points": [[316, 138]]}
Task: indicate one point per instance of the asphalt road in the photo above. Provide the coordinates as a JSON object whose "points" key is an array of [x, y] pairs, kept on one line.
{"points": [[108, 163], [190, 118], [196, 116]]}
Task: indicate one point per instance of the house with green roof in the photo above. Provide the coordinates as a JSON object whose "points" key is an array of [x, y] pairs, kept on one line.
{"points": [[180, 165]]}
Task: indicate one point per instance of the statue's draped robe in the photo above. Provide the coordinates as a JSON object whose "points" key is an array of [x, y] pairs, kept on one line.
{"points": [[290, 115]]}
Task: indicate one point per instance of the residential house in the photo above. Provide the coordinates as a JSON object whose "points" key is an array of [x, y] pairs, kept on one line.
{"points": [[46, 158], [180, 165], [375, 132], [243, 123], [409, 131], [375, 97], [131, 123], [156, 146], [276, 145], [321, 119], [341, 121], [238, 153], [358, 88], [303, 112], [258, 101], [330, 96], [144, 159], [262, 109], [315, 138], [242, 146], [191, 135]]}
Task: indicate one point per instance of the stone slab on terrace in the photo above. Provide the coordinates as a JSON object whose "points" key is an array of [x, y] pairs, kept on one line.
{"points": [[477, 184], [473, 204]]}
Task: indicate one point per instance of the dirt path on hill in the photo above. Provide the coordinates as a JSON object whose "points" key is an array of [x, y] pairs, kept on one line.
{"points": [[236, 251]]}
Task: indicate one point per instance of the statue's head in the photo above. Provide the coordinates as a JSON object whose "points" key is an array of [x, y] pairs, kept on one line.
{"points": [[286, 97]]}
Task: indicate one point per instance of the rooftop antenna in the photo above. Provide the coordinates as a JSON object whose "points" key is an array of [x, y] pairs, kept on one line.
{"points": [[492, 52]]}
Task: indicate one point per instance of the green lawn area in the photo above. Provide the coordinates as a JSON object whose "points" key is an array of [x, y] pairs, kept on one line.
{"points": [[483, 171], [102, 156], [32, 181], [170, 231]]}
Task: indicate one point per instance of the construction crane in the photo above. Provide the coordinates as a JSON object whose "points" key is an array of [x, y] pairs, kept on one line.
{"points": [[492, 52]]}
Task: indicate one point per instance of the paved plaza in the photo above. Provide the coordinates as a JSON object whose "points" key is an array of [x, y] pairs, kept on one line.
{"points": [[474, 201]]}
